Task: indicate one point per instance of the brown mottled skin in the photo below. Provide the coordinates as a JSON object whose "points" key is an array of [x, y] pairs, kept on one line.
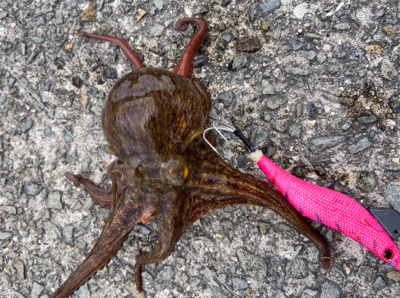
{"points": [[153, 120]]}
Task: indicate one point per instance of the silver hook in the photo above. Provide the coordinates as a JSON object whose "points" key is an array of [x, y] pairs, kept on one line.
{"points": [[205, 139], [218, 125], [223, 126]]}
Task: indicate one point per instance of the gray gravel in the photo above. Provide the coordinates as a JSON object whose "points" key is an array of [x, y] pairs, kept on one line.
{"points": [[320, 97]]}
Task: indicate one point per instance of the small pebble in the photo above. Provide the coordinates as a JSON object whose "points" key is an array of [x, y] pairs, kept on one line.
{"points": [[5, 235], [11, 82], [142, 229], [77, 82], [69, 47], [199, 9], [20, 267], [239, 62], [90, 14], [155, 30], [362, 144], [110, 73], [248, 45], [388, 70], [140, 14], [224, 3], [159, 4], [367, 119], [71, 4], [265, 25], [296, 44], [226, 98], [342, 26], [312, 35], [275, 34], [227, 37], [392, 194], [373, 49], [267, 89], [27, 126], [257, 134], [164, 278], [32, 189], [54, 200], [239, 284], [248, 73], [38, 40], [297, 71], [86, 165], [380, 13], [269, 7], [321, 57], [36, 290], [10, 209], [68, 138], [362, 72], [389, 30], [330, 290], [367, 181], [394, 275], [40, 22], [300, 10], [83, 292], [47, 131]]}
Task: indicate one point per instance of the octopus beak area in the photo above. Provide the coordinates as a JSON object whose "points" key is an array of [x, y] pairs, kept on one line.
{"points": [[124, 215]]}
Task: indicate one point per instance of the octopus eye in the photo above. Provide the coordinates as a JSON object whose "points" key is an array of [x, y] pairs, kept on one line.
{"points": [[175, 172], [388, 254], [134, 176]]}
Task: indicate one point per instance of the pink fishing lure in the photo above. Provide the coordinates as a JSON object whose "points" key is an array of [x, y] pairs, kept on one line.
{"points": [[332, 209]]}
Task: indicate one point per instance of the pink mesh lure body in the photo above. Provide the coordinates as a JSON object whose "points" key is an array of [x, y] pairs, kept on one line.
{"points": [[332, 209]]}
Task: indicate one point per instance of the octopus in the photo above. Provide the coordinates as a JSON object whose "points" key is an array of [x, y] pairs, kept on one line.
{"points": [[153, 120]]}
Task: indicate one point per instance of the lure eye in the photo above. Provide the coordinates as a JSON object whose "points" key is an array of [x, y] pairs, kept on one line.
{"points": [[388, 254]]}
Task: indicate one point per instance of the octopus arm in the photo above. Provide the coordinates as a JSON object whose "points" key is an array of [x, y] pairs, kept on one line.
{"points": [[169, 222], [136, 63], [100, 196], [213, 184], [125, 214]]}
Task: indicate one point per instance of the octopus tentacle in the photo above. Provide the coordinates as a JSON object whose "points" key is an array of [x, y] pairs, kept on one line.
{"points": [[132, 56], [214, 185], [170, 230], [100, 196], [124, 215], [186, 64]]}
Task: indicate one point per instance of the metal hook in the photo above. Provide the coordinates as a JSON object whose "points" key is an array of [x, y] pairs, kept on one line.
{"points": [[218, 125]]}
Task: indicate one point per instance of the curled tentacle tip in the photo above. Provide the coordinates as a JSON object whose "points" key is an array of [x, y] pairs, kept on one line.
{"points": [[73, 178], [181, 26], [328, 261]]}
